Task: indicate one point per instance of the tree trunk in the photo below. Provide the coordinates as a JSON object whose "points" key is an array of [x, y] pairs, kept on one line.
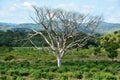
{"points": [[112, 60], [59, 61]]}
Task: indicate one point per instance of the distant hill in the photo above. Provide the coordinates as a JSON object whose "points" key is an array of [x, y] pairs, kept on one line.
{"points": [[108, 27], [103, 27], [7, 26], [15, 27]]}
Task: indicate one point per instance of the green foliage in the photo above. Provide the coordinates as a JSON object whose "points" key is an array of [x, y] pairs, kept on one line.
{"points": [[4, 49], [3, 77], [9, 57], [24, 64], [20, 78], [97, 50], [87, 70], [28, 63], [14, 39], [78, 75], [111, 43]]}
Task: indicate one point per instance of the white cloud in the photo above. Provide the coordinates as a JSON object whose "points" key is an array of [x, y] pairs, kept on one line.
{"points": [[28, 4], [72, 7]]}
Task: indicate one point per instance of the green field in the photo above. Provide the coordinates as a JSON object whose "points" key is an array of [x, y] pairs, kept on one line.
{"points": [[24, 63]]}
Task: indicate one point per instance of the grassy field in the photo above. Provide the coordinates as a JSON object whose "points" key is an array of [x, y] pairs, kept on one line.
{"points": [[24, 63]]}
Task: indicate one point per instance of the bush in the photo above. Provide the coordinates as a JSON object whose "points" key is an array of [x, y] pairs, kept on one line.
{"points": [[78, 75], [20, 78], [36, 74], [111, 77], [24, 64], [24, 72], [105, 76], [62, 77], [14, 78], [2, 72], [63, 69], [3, 77], [9, 57], [14, 73], [4, 49], [94, 69], [88, 75], [53, 69], [50, 76], [39, 74]]}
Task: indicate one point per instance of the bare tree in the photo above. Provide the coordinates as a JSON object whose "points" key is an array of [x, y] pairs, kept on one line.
{"points": [[64, 29]]}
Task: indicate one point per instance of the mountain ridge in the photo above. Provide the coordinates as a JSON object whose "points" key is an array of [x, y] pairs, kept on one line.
{"points": [[103, 28]]}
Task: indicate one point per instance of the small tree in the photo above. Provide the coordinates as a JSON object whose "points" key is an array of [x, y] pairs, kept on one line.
{"points": [[64, 29], [112, 49], [111, 43]]}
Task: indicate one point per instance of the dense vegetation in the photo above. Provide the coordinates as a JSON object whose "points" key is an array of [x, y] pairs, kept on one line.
{"points": [[16, 39], [91, 62], [30, 64]]}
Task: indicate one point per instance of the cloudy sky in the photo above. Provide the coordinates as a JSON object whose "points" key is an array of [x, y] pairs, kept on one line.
{"points": [[19, 11]]}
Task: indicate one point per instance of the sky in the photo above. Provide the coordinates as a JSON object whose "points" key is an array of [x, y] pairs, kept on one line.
{"points": [[19, 11]]}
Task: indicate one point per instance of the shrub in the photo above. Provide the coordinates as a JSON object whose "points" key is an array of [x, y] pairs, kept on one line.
{"points": [[14, 73], [111, 77], [9, 57], [104, 76], [14, 78], [2, 72], [50, 76], [63, 69], [88, 75], [4, 49], [45, 75], [62, 77], [37, 74], [94, 69], [20, 78], [3, 77], [24, 64], [53, 69], [24, 73], [78, 75]]}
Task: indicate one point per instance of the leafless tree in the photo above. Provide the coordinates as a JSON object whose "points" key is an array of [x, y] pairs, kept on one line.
{"points": [[64, 29]]}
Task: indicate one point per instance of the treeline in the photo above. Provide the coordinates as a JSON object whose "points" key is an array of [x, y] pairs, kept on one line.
{"points": [[19, 38], [108, 42]]}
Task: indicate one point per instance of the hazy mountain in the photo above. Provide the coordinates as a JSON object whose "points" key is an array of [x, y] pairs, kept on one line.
{"points": [[6, 26], [29, 26], [103, 27], [20, 27], [108, 27]]}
